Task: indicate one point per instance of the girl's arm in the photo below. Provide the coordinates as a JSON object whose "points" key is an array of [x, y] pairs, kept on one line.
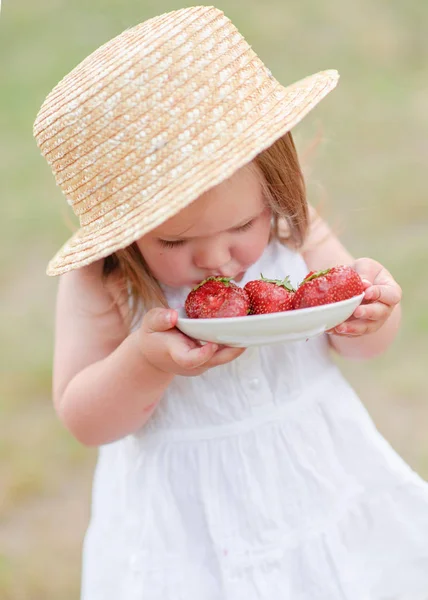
{"points": [[374, 324], [107, 383], [103, 387]]}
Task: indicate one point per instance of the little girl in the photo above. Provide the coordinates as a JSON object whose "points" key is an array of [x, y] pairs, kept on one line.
{"points": [[223, 473]]}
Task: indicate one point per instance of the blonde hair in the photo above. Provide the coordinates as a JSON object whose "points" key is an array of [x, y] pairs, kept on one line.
{"points": [[284, 191]]}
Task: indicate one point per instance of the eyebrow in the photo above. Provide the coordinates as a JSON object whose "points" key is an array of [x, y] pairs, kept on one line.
{"points": [[240, 224]]}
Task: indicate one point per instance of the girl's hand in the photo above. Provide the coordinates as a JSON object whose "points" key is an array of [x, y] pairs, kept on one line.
{"points": [[382, 294], [169, 350]]}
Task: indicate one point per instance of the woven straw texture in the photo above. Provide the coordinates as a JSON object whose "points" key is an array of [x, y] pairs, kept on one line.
{"points": [[154, 118]]}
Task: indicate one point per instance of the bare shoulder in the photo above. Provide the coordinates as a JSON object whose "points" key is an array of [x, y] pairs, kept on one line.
{"points": [[85, 287], [89, 324], [322, 248]]}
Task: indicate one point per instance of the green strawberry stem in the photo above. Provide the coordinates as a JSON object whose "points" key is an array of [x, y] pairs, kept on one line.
{"points": [[225, 280], [315, 275], [285, 283]]}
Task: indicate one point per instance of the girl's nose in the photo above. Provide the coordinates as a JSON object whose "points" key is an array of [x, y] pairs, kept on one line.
{"points": [[212, 256]]}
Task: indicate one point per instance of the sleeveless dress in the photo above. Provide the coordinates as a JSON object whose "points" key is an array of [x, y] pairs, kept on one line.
{"points": [[262, 479]]}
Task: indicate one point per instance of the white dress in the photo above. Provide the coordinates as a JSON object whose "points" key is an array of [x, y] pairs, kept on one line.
{"points": [[263, 479]]}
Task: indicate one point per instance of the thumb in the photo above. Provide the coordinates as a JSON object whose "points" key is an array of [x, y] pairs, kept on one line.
{"points": [[159, 319]]}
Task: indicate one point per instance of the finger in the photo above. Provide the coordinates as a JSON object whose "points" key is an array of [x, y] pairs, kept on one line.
{"points": [[375, 311], [357, 328], [387, 294], [334, 329], [159, 319], [225, 355], [192, 358]]}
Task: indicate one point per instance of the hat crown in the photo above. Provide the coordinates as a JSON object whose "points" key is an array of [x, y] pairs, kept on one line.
{"points": [[106, 122], [125, 58]]}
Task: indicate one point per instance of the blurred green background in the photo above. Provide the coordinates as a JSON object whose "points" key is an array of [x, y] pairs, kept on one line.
{"points": [[365, 153]]}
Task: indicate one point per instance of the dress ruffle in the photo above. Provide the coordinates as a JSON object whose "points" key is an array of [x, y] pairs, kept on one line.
{"points": [[309, 504]]}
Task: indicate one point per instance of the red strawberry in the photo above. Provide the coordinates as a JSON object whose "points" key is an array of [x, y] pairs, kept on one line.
{"points": [[333, 285], [217, 297], [269, 295]]}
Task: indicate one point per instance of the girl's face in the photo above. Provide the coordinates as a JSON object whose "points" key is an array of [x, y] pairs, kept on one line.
{"points": [[222, 233]]}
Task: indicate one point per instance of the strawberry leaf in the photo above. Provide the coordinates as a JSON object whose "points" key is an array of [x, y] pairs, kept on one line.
{"points": [[285, 283], [312, 276], [225, 280]]}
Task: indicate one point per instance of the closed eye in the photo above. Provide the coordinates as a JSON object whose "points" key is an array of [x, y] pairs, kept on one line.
{"points": [[169, 244], [246, 226], [174, 244]]}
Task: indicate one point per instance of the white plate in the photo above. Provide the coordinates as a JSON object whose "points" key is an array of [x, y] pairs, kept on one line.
{"points": [[257, 330]]}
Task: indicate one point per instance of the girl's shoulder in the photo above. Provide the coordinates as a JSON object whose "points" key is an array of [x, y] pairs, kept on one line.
{"points": [[88, 290]]}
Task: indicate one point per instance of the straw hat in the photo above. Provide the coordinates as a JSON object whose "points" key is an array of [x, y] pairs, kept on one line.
{"points": [[154, 118]]}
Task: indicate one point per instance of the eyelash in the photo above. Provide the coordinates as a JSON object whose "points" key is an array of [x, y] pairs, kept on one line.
{"points": [[169, 244], [246, 226]]}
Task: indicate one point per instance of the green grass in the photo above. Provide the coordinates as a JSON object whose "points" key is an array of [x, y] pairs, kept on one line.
{"points": [[368, 172]]}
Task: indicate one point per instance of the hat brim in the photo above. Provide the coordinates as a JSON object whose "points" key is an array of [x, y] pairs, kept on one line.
{"points": [[96, 241]]}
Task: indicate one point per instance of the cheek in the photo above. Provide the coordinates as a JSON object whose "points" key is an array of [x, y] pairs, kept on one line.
{"points": [[167, 265], [252, 245], [175, 260]]}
